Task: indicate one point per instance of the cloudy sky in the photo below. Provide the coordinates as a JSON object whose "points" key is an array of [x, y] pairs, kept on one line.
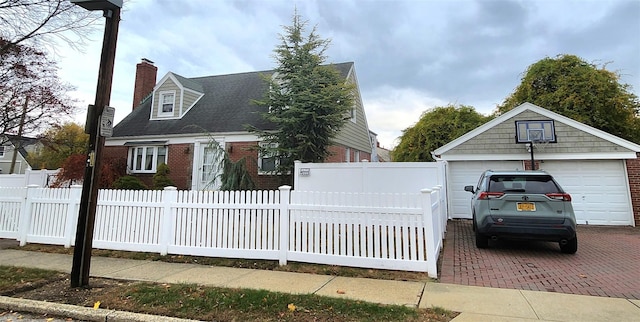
{"points": [[409, 55]]}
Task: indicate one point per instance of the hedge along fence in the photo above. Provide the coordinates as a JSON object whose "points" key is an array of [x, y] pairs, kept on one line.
{"points": [[371, 230]]}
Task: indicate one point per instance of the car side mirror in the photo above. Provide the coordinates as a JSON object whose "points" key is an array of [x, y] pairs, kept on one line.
{"points": [[469, 188]]}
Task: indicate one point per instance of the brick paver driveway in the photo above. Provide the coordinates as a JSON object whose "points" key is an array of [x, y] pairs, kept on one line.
{"points": [[607, 262]]}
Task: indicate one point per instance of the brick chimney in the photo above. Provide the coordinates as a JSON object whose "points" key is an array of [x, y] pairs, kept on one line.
{"points": [[145, 80]]}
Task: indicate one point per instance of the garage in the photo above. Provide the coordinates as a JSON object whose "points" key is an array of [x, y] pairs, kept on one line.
{"points": [[601, 171], [599, 190], [465, 173]]}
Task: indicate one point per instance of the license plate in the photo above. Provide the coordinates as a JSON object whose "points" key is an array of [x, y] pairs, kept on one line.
{"points": [[526, 206]]}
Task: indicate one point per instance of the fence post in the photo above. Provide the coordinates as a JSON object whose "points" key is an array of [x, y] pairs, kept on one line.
{"points": [[72, 214], [169, 198], [27, 177], [443, 209], [427, 216], [285, 193], [435, 199], [25, 214], [296, 172]]}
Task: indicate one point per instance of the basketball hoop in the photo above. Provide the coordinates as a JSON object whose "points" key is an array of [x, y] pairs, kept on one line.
{"points": [[535, 135], [541, 145]]}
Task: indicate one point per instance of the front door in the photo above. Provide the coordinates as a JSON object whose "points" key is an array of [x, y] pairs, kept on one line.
{"points": [[210, 168]]}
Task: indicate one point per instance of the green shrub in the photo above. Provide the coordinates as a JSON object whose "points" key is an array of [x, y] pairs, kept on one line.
{"points": [[161, 178], [236, 176], [129, 183]]}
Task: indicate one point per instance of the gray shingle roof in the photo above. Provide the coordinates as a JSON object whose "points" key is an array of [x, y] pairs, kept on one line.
{"points": [[20, 142], [225, 107], [187, 83]]}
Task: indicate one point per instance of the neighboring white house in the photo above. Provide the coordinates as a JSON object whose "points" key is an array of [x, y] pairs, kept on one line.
{"points": [[20, 147], [598, 169]]}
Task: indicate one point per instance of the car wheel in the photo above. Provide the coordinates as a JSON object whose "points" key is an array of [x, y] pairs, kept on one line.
{"points": [[571, 247], [482, 241]]}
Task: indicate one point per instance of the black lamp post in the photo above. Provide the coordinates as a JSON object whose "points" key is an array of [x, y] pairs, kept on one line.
{"points": [[88, 201]]}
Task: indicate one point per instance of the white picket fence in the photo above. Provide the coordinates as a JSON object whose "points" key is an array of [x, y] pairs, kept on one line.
{"points": [[371, 230], [42, 178]]}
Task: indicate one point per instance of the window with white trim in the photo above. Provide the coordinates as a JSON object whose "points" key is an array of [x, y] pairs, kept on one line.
{"points": [[356, 156], [167, 103], [347, 155], [145, 159], [267, 162]]}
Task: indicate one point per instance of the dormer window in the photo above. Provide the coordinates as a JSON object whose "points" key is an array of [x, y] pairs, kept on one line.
{"points": [[167, 103]]}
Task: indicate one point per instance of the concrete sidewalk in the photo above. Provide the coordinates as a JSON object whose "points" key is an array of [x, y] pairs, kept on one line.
{"points": [[474, 303]]}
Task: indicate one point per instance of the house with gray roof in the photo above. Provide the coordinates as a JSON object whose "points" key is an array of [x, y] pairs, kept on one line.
{"points": [[174, 120], [14, 151]]}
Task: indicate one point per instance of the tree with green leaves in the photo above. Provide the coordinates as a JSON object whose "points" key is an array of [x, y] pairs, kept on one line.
{"points": [[436, 128], [582, 91], [60, 142], [307, 101]]}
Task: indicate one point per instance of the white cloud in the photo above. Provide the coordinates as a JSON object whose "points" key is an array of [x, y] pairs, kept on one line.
{"points": [[409, 55], [391, 110]]}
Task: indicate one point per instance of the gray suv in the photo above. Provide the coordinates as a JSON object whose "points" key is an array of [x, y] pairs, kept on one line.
{"points": [[522, 205]]}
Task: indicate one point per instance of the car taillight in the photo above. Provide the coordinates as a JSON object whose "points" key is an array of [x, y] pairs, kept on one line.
{"points": [[490, 195], [559, 196]]}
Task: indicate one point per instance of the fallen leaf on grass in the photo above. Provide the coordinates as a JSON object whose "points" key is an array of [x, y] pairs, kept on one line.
{"points": [[341, 292]]}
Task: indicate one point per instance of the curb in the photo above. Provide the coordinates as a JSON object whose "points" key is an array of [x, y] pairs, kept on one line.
{"points": [[80, 312]]}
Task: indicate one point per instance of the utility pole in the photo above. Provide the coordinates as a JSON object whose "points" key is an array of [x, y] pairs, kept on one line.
{"points": [[89, 199]]}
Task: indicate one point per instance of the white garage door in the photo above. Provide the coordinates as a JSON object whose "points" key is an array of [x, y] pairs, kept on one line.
{"points": [[599, 190], [467, 173]]}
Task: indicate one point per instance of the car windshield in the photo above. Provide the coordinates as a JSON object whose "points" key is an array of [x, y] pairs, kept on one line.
{"points": [[523, 184]]}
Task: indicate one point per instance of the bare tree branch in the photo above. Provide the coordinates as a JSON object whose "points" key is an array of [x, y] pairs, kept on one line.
{"points": [[27, 75], [39, 23]]}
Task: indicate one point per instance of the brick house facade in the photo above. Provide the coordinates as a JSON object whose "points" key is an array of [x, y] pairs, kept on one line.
{"points": [[633, 172], [173, 119]]}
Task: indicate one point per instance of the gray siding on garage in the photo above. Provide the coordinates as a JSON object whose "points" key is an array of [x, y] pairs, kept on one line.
{"points": [[501, 139]]}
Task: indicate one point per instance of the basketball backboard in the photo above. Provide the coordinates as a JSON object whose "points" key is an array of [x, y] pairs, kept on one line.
{"points": [[535, 131]]}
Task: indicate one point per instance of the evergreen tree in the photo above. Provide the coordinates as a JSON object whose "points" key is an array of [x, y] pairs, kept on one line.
{"points": [[236, 176], [308, 101], [161, 177], [227, 174]]}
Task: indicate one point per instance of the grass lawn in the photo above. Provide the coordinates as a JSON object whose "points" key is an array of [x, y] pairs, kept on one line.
{"points": [[203, 303]]}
